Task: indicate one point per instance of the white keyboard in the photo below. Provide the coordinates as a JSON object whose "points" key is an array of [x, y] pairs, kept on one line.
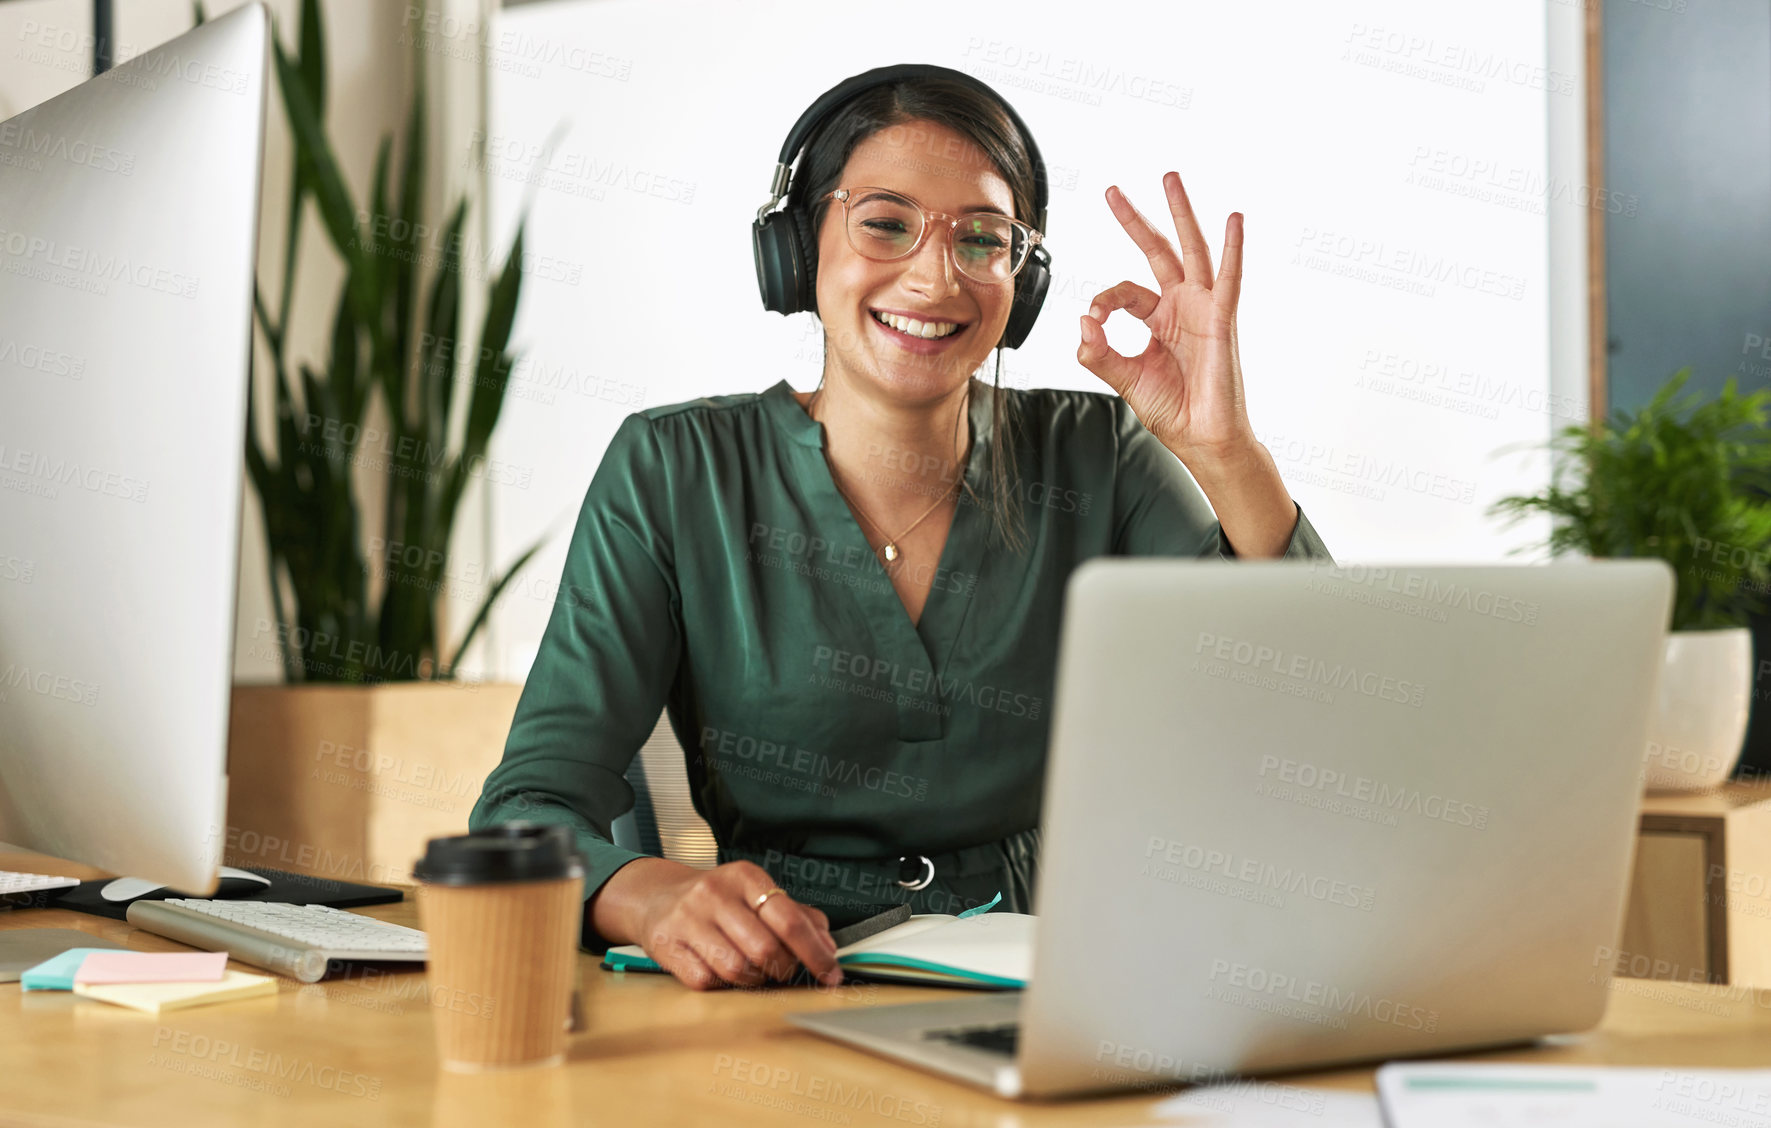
{"points": [[12, 881], [294, 940]]}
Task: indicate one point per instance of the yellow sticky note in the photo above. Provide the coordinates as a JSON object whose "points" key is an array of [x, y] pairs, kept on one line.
{"points": [[157, 997]]}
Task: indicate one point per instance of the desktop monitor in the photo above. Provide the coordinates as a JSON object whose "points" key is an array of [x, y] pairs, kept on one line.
{"points": [[128, 238]]}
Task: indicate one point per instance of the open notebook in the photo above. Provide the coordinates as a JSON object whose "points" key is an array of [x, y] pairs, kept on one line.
{"points": [[992, 951]]}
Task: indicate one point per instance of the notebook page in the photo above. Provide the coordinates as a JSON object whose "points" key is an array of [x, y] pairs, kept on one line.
{"points": [[921, 922], [999, 944]]}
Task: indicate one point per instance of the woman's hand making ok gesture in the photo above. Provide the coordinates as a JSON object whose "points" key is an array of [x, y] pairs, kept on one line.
{"points": [[1186, 386]]}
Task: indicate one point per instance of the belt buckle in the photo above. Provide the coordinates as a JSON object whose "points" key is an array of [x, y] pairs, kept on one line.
{"points": [[928, 871]]}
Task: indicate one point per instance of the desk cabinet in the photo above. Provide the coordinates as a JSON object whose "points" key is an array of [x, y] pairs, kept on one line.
{"points": [[1700, 896]]}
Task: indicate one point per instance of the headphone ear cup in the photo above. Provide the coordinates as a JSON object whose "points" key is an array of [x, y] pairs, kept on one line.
{"points": [[780, 268], [1030, 287]]}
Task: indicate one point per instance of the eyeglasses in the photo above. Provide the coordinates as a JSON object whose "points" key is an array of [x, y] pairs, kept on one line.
{"points": [[886, 226]]}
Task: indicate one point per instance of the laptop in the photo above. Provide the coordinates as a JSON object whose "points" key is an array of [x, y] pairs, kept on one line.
{"points": [[1299, 815]]}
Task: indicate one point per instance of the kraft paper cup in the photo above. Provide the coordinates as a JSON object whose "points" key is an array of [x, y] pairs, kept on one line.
{"points": [[502, 921]]}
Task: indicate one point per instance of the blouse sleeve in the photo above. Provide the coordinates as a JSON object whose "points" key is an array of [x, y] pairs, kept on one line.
{"points": [[604, 668], [1159, 510]]}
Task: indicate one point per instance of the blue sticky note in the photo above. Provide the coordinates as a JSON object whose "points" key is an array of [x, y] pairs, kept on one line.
{"points": [[57, 972], [984, 908]]}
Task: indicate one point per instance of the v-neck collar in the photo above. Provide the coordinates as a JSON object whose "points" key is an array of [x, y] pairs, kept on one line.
{"points": [[802, 428], [919, 651]]}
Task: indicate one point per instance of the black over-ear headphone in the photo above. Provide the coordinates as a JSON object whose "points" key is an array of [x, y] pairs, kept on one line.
{"points": [[781, 239]]}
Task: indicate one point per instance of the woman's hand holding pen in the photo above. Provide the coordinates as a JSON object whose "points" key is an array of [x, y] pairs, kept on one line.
{"points": [[705, 928], [1186, 386]]}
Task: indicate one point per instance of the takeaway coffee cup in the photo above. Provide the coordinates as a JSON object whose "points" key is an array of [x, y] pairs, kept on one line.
{"points": [[502, 909]]}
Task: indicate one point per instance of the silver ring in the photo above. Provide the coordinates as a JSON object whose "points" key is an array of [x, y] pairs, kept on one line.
{"points": [[927, 876]]}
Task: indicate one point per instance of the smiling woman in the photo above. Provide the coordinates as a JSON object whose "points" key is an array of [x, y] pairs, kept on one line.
{"points": [[848, 600], [948, 144]]}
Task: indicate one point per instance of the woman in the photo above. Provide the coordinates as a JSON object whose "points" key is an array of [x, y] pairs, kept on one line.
{"points": [[849, 599]]}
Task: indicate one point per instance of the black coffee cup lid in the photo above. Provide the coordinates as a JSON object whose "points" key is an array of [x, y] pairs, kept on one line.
{"points": [[513, 851]]}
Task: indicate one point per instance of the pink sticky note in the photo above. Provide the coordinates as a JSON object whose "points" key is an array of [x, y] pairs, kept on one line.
{"points": [[152, 967]]}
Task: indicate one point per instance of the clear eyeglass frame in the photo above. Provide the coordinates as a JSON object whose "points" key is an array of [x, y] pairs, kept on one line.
{"points": [[1031, 236]]}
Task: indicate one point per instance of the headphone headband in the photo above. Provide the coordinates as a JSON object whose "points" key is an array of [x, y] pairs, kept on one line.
{"points": [[783, 241], [845, 90]]}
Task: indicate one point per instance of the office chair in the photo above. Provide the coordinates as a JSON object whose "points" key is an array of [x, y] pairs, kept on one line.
{"points": [[663, 822]]}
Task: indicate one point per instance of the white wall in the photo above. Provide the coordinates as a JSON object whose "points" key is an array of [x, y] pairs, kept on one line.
{"points": [[1371, 145], [46, 48], [1392, 162]]}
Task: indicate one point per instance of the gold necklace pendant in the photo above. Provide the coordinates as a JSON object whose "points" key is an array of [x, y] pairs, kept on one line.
{"points": [[889, 549]]}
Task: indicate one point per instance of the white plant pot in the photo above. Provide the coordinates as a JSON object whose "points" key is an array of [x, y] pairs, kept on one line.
{"points": [[1696, 734]]}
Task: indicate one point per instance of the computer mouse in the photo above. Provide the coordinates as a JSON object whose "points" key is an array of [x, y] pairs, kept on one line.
{"points": [[233, 883]]}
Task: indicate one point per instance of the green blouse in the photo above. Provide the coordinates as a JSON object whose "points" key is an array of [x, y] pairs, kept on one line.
{"points": [[716, 571]]}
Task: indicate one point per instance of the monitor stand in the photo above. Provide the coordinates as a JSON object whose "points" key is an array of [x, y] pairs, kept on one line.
{"points": [[112, 898], [24, 948], [233, 883]]}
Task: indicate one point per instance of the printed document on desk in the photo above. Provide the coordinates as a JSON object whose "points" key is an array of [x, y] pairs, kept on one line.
{"points": [[1448, 1095]]}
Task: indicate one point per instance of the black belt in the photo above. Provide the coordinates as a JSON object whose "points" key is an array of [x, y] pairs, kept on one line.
{"points": [[907, 871]]}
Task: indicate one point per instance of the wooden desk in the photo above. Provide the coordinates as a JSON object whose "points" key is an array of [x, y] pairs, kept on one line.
{"points": [[655, 1053]]}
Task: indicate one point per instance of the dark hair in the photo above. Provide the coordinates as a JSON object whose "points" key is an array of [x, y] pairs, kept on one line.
{"points": [[976, 116]]}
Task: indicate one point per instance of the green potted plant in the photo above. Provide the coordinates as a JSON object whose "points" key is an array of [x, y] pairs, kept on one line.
{"points": [[1683, 479], [372, 743]]}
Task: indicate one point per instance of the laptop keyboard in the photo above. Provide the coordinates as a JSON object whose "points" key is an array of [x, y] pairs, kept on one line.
{"points": [[998, 1039]]}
